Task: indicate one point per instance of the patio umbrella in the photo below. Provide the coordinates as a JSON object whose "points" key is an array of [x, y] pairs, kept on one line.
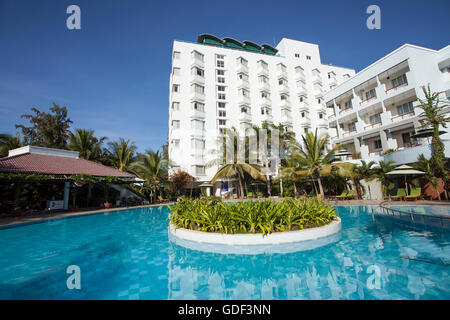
{"points": [[425, 133], [405, 170]]}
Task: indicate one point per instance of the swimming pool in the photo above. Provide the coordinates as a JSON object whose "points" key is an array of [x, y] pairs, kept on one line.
{"points": [[127, 255]]}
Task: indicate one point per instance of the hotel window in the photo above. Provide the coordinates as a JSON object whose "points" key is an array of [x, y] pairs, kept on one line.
{"points": [[197, 55], [352, 126], [197, 124], [297, 55], [220, 57], [176, 71], [198, 106], [346, 76], [283, 97], [242, 61], [220, 64], [405, 108], [176, 106], [220, 72], [221, 105], [221, 88], [265, 111], [176, 55], [377, 144], [265, 94], [176, 88], [244, 110], [175, 124], [399, 81], [222, 113], [371, 94], [222, 122], [176, 143], [306, 130], [220, 79], [319, 101], [221, 96], [376, 118], [244, 93], [222, 130], [282, 81], [243, 76], [303, 114], [308, 57], [198, 170], [347, 105], [198, 88], [320, 115]]}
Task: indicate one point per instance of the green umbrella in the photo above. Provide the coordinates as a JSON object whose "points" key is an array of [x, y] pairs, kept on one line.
{"points": [[405, 170]]}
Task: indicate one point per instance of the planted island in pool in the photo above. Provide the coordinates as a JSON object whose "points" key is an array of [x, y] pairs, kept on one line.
{"points": [[251, 222]]}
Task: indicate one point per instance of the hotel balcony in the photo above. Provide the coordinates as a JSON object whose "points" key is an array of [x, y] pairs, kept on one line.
{"points": [[243, 100], [281, 71], [332, 81], [283, 88], [301, 90], [245, 116], [243, 83], [267, 117], [300, 76], [197, 114], [241, 68], [286, 117], [264, 86], [197, 62], [195, 78], [265, 101], [410, 154], [262, 70], [197, 96], [285, 105], [197, 132], [348, 133]]}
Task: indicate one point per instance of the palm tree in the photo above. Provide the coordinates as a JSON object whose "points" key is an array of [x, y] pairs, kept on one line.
{"points": [[424, 165], [381, 174], [313, 156], [364, 171], [236, 167], [9, 142], [88, 146], [122, 153], [289, 171], [152, 168], [433, 116]]}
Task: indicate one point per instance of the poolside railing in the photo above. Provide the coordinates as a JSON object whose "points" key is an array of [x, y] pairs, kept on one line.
{"points": [[415, 217]]}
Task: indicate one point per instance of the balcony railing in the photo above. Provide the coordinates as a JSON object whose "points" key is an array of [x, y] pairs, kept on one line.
{"points": [[375, 153], [331, 116], [367, 100], [402, 116], [373, 125], [393, 89], [345, 110], [348, 133]]}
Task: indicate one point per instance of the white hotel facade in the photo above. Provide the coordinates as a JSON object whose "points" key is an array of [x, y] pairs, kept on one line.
{"points": [[373, 112], [223, 83]]}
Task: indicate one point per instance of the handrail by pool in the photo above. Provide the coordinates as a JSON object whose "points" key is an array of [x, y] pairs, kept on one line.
{"points": [[391, 212]]}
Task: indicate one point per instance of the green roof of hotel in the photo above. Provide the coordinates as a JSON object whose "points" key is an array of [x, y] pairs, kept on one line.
{"points": [[228, 42]]}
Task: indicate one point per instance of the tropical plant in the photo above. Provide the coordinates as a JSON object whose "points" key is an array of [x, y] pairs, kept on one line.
{"points": [[88, 146], [152, 168], [212, 215], [313, 155], [121, 153], [9, 142], [424, 165], [434, 116], [235, 167], [381, 174], [49, 130]]}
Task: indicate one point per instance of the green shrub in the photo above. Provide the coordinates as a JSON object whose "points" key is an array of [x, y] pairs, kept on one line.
{"points": [[213, 215]]}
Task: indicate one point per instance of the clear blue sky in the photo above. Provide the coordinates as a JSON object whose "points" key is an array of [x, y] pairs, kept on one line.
{"points": [[113, 74]]}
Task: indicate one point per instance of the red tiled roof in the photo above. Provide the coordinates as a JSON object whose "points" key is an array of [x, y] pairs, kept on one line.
{"points": [[49, 164]]}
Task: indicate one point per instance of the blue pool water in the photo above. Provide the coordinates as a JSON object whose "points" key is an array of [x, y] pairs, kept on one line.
{"points": [[127, 255]]}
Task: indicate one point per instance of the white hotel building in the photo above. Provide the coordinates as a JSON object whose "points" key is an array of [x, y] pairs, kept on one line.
{"points": [[223, 83], [374, 111]]}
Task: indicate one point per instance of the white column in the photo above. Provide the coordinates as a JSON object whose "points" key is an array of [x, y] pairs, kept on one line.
{"points": [[66, 194]]}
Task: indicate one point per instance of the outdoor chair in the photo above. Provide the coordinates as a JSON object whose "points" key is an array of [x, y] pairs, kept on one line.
{"points": [[343, 195], [415, 194], [351, 195], [401, 193]]}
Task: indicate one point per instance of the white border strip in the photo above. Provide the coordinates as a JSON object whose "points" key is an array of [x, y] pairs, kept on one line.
{"points": [[258, 238]]}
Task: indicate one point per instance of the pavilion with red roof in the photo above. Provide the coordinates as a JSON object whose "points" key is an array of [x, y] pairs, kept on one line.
{"points": [[58, 164]]}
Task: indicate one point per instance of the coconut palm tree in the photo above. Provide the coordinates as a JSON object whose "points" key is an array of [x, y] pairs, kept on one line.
{"points": [[151, 167], [235, 167], [84, 141], [313, 156], [433, 116], [289, 172], [381, 174], [9, 142], [122, 153]]}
